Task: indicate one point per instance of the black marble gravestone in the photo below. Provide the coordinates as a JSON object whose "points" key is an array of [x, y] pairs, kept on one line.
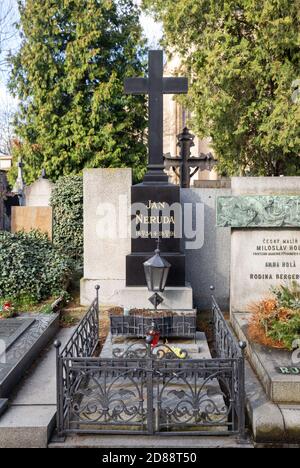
{"points": [[156, 203]]}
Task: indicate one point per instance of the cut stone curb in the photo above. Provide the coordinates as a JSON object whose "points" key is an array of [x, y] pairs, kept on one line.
{"points": [[271, 422], [30, 417], [135, 442]]}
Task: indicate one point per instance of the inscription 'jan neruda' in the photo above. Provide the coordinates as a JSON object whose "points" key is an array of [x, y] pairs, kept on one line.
{"points": [[156, 217]]}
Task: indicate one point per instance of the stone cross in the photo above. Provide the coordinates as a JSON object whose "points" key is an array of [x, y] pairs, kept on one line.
{"points": [[156, 86]]}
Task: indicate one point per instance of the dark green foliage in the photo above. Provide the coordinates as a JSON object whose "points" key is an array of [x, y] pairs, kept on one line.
{"points": [[31, 269], [67, 203], [244, 62], [68, 76]]}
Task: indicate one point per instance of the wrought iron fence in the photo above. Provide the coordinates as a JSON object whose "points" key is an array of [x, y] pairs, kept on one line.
{"points": [[82, 344], [145, 390], [179, 324]]}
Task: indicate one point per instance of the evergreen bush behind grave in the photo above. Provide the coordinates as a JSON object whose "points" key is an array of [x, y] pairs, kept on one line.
{"points": [[67, 204], [31, 269]]}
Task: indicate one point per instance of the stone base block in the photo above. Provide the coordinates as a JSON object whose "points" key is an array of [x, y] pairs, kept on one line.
{"points": [[114, 292], [108, 291], [180, 298], [284, 389], [271, 423]]}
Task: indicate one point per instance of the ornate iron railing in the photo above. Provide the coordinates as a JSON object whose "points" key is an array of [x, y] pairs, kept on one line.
{"points": [[144, 390], [226, 344], [182, 324], [82, 344]]}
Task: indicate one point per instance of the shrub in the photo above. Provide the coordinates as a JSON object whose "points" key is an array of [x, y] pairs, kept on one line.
{"points": [[276, 322], [67, 203], [31, 269]]}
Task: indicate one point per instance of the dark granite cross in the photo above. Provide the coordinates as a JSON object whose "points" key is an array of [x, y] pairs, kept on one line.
{"points": [[156, 86]]}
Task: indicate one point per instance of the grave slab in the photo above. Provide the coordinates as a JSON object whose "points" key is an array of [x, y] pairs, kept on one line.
{"points": [[30, 417], [197, 349], [281, 389], [23, 339]]}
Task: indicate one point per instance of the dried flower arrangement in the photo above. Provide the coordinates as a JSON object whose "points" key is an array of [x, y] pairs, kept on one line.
{"points": [[276, 322]]}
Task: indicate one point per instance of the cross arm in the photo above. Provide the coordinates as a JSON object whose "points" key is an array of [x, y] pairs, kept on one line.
{"points": [[175, 85], [136, 86]]}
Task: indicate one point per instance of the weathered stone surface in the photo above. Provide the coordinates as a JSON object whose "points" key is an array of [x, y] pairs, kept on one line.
{"points": [[265, 185], [131, 442], [107, 195], [258, 211], [12, 329], [260, 260], [17, 355], [28, 218], [180, 298], [30, 418], [26, 427], [281, 389], [209, 264], [223, 183], [265, 416], [39, 193]]}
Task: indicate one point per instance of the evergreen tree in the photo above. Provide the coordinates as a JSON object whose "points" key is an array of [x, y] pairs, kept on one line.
{"points": [[68, 76], [244, 61]]}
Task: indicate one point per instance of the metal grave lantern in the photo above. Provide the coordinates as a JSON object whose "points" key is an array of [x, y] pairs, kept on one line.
{"points": [[157, 271]]}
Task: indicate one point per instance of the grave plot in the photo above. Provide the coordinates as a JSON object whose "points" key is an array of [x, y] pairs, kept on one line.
{"points": [[133, 387]]}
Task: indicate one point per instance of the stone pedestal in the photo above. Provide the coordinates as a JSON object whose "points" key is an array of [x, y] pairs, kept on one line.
{"points": [[178, 298], [107, 195], [156, 213]]}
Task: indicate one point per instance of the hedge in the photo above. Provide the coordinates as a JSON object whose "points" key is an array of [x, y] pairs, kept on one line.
{"points": [[67, 204], [31, 268]]}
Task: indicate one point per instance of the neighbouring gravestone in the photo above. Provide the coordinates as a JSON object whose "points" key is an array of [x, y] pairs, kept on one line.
{"points": [[106, 195], [264, 214], [27, 218], [39, 193], [36, 212]]}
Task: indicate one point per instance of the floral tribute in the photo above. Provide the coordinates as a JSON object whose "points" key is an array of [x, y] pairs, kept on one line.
{"points": [[7, 310], [275, 322]]}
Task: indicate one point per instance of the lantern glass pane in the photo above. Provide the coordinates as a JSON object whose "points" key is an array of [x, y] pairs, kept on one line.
{"points": [[148, 274], [165, 278], [157, 276]]}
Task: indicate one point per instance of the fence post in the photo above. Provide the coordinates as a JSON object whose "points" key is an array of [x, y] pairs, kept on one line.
{"points": [[59, 391], [242, 399], [98, 313]]}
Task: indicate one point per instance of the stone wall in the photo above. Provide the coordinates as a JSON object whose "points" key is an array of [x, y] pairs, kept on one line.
{"points": [[209, 265]]}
